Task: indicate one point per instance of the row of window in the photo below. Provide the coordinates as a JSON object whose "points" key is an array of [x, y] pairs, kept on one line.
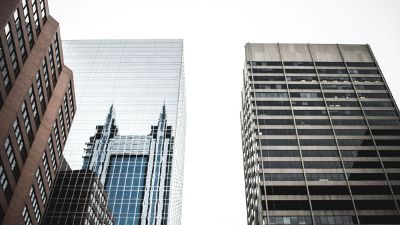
{"points": [[313, 78], [329, 164], [319, 95], [301, 63], [328, 176], [338, 122], [336, 220], [281, 112], [332, 86], [329, 153], [313, 71], [330, 190]]}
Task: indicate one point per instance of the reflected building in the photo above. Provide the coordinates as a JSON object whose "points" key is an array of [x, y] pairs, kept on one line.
{"points": [[136, 170], [320, 136], [140, 161]]}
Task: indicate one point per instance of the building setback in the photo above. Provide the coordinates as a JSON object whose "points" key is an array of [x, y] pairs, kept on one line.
{"points": [[77, 198], [37, 105], [320, 136]]}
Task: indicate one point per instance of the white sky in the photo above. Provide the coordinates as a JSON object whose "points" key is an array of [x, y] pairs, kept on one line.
{"points": [[214, 33]]}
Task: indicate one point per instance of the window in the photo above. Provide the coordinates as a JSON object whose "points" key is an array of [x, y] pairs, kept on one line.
{"points": [[61, 118], [283, 190], [11, 158], [360, 153], [71, 99], [36, 16], [52, 154], [332, 204], [370, 87], [46, 168], [52, 67], [272, 103], [41, 186], [377, 104], [20, 34], [317, 142], [279, 142], [311, 103], [40, 90], [361, 64], [3, 178], [57, 134], [337, 86], [384, 122], [342, 103], [320, 153], [329, 190], [300, 71], [322, 164], [363, 71], [367, 79], [314, 132], [275, 122], [290, 63], [362, 164], [66, 111], [4, 71], [276, 153], [349, 122], [27, 22], [304, 86], [43, 10], [19, 138], [270, 86], [281, 164], [35, 204], [325, 177], [32, 99], [26, 216], [305, 95], [267, 78], [351, 132], [302, 78], [312, 122], [355, 142], [260, 63], [287, 205], [310, 112], [271, 95], [332, 71], [282, 177], [345, 112], [27, 123], [340, 95], [265, 70], [335, 79], [277, 132], [57, 49], [335, 64], [11, 48], [373, 95], [273, 112], [366, 176]]}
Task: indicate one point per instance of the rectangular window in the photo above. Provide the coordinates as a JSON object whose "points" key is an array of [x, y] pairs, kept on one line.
{"points": [[3, 178], [11, 158], [27, 122], [52, 67], [71, 99], [19, 138], [20, 34], [32, 99], [43, 10], [67, 112], [36, 16], [57, 49], [41, 186], [4, 71], [52, 154], [26, 216], [28, 22], [46, 77], [46, 168], [57, 134], [40, 90], [11, 48], [35, 204]]}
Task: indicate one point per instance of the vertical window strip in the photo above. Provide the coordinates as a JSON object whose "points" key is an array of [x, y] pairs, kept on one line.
{"points": [[58, 58], [56, 133], [53, 157], [46, 168], [4, 71], [71, 100], [27, 123], [52, 67], [67, 111], [18, 136], [35, 204], [26, 216], [36, 16], [61, 117], [40, 90], [10, 153], [43, 10], [32, 99], [20, 34], [27, 22], [41, 186], [11, 48], [3, 178], [46, 77]]}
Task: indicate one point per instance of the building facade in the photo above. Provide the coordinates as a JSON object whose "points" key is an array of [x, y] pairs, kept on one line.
{"points": [[320, 136], [37, 105], [140, 161], [77, 198], [136, 170]]}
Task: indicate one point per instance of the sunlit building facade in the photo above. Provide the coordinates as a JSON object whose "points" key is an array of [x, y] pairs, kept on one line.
{"points": [[320, 136], [137, 152]]}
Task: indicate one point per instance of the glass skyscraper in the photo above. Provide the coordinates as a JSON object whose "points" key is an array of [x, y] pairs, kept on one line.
{"points": [[137, 152], [320, 136]]}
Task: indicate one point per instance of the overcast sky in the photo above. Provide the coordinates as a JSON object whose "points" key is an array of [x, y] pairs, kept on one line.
{"points": [[214, 33]]}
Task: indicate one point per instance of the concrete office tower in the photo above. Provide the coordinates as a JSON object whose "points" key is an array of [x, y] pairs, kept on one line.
{"points": [[77, 198], [37, 105], [136, 170], [320, 136], [139, 85]]}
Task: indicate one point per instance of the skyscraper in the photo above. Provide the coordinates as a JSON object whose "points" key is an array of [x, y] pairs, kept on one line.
{"points": [[137, 152], [136, 170], [320, 136], [37, 105]]}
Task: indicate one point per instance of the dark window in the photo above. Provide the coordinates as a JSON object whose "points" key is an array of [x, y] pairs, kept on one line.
{"points": [[329, 190], [12, 50], [270, 86], [322, 164], [377, 104], [273, 112], [310, 112], [284, 190], [370, 87], [361, 164], [387, 142], [281, 164], [282, 177], [391, 164], [272, 103], [345, 112], [337, 86], [373, 95], [301, 78], [314, 132], [265, 70], [375, 204], [340, 95], [349, 122], [271, 94], [279, 142], [336, 64], [288, 205], [355, 142], [394, 176], [300, 70], [305, 95], [360, 64], [384, 122], [332, 71], [352, 132], [342, 103], [325, 177], [335, 79], [260, 63], [267, 78], [381, 113], [389, 153], [353, 71], [366, 176], [332, 204], [378, 219], [304, 86], [317, 142], [359, 153], [319, 153], [28, 22], [277, 132], [20, 34], [367, 79], [275, 122], [4, 72], [288, 63], [312, 122], [313, 103], [282, 153]]}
